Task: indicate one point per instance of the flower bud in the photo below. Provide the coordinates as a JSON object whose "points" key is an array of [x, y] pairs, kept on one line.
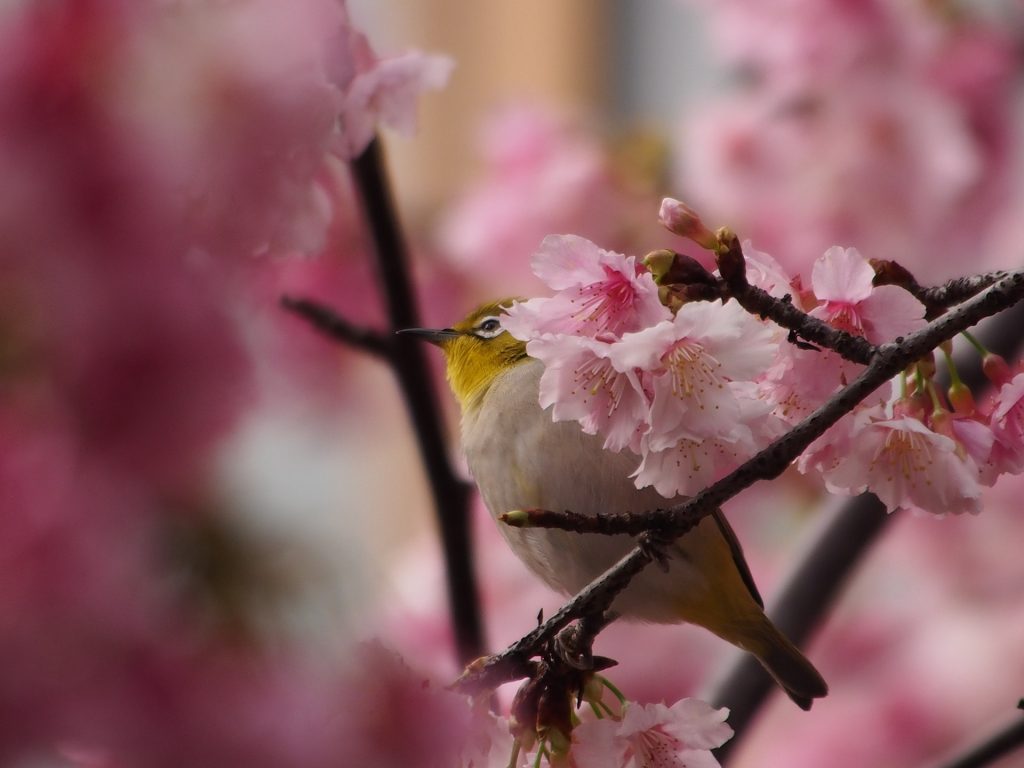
{"points": [[680, 219], [669, 268], [523, 713], [926, 366], [732, 265], [659, 263], [996, 368], [961, 398], [941, 421], [516, 518]]}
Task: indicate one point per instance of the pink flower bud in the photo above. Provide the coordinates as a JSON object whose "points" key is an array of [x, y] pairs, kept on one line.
{"points": [[961, 398], [996, 369], [680, 219]]}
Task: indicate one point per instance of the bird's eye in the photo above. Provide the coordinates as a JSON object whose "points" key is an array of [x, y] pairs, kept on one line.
{"points": [[488, 328]]}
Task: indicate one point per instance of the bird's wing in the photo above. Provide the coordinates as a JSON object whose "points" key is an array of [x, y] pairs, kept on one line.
{"points": [[737, 555]]}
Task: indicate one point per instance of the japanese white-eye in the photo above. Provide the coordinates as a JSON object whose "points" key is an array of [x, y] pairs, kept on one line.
{"points": [[521, 459]]}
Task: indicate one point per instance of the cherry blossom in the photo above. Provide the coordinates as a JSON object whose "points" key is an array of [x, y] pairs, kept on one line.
{"points": [[694, 359], [245, 148], [799, 380], [598, 292], [691, 464], [765, 272], [1007, 418], [653, 736], [885, 125], [582, 384], [842, 279], [905, 464], [384, 90], [542, 174]]}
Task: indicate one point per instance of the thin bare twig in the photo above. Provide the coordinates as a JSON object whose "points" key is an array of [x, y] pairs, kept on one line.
{"points": [[451, 495], [611, 524], [767, 464], [331, 324], [958, 290], [937, 299], [406, 358], [732, 267]]}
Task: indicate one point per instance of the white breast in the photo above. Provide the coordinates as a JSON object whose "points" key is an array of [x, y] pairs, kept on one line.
{"points": [[521, 459]]}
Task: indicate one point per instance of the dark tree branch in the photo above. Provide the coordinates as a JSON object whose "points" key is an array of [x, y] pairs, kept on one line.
{"points": [[767, 464], [936, 299], [451, 495], [610, 524], [998, 745], [328, 322], [732, 267], [761, 303], [502, 667], [961, 289]]}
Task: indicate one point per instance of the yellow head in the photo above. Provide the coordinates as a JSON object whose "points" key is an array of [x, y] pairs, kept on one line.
{"points": [[476, 351]]}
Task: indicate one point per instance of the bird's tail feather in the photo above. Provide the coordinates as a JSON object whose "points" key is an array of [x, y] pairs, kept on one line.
{"points": [[784, 662]]}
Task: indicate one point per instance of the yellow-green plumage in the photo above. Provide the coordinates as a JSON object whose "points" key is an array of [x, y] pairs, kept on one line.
{"points": [[520, 459], [472, 363]]}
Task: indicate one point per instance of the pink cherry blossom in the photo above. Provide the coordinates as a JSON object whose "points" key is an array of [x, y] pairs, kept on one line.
{"points": [[764, 272], [1007, 420], [906, 464], [884, 125], [386, 90], [598, 292], [581, 384], [799, 380], [240, 114], [693, 360], [690, 465], [842, 279], [828, 452], [653, 736], [680, 219], [542, 173], [978, 441]]}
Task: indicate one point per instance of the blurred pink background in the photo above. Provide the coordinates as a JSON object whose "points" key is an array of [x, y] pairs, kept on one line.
{"points": [[205, 504]]}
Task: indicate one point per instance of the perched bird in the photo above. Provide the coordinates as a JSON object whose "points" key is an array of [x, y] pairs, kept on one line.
{"points": [[521, 459]]}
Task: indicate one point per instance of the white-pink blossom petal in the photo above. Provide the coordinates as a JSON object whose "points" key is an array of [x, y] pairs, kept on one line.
{"points": [[1008, 425], [599, 293], [842, 275], [654, 736], [580, 384], [890, 311], [387, 92], [907, 465], [566, 261]]}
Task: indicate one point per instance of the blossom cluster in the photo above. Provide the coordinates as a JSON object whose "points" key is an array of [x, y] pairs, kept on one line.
{"points": [[695, 388], [620, 734]]}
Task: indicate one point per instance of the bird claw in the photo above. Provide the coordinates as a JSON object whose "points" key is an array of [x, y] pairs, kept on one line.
{"points": [[656, 548], [573, 647]]}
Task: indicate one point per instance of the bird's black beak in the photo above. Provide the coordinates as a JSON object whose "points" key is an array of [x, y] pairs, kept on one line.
{"points": [[436, 336]]}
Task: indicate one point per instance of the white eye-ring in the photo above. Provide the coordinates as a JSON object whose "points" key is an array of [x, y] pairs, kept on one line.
{"points": [[488, 328]]}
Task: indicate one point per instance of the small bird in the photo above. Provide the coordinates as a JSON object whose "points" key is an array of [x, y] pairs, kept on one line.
{"points": [[521, 459]]}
